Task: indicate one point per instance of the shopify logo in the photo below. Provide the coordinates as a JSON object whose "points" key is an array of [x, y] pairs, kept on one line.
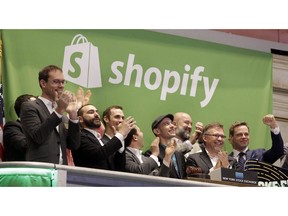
{"points": [[171, 81], [81, 66], [81, 63]]}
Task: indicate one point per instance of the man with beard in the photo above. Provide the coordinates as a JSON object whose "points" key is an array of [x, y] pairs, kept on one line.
{"points": [[187, 143], [92, 152], [44, 120]]}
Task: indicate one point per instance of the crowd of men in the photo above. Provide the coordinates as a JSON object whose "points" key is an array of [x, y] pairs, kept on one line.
{"points": [[63, 128]]}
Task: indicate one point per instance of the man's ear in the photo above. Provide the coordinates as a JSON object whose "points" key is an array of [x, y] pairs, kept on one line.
{"points": [[105, 118], [204, 138], [80, 119], [230, 138], [42, 83], [156, 131], [135, 137]]}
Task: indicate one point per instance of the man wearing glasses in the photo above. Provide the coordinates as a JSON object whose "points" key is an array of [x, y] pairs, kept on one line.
{"points": [[212, 157], [48, 130]]}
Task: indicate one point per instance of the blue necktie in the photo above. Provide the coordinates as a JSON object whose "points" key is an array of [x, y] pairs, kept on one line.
{"points": [[241, 160], [175, 163]]}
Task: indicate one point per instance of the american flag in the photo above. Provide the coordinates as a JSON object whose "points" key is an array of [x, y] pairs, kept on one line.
{"points": [[1, 124]]}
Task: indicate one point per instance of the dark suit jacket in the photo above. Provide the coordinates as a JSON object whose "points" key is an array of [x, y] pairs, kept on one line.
{"points": [[105, 138], [14, 141], [148, 167], [92, 154], [180, 162], [42, 136], [202, 160], [269, 156]]}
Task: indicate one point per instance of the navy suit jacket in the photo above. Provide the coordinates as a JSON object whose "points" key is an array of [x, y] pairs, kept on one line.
{"points": [[92, 154], [202, 160], [43, 138], [269, 156]]}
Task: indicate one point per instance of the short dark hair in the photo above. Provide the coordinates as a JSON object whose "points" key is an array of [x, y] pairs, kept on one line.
{"points": [[80, 110], [237, 124], [44, 73], [19, 100], [212, 125], [107, 112], [129, 137]]}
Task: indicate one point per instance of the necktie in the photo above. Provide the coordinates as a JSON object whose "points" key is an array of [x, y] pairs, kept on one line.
{"points": [[175, 163], [53, 105], [241, 160]]}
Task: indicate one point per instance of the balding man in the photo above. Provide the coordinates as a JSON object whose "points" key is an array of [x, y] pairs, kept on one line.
{"points": [[187, 143]]}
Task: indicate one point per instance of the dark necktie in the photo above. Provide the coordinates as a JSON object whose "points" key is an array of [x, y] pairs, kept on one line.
{"points": [[53, 105], [241, 160]]}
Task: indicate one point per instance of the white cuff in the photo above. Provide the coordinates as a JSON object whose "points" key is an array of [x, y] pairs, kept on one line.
{"points": [[121, 138], [276, 130], [155, 158]]}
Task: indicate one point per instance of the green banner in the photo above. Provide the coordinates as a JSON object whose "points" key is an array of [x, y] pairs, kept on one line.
{"points": [[148, 73]]}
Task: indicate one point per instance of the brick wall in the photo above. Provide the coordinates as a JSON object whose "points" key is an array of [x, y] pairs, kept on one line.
{"points": [[276, 35]]}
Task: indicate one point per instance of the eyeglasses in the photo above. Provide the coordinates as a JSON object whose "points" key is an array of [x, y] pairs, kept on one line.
{"points": [[217, 135], [58, 82]]}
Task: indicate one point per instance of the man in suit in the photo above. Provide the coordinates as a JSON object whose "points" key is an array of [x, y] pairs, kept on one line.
{"points": [[239, 139], [14, 140], [164, 128], [212, 156], [93, 152], [44, 120], [136, 162]]}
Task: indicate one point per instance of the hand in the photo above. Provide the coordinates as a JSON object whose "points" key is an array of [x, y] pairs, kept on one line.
{"points": [[154, 147], [72, 108], [171, 147], [270, 121], [64, 99], [223, 159], [198, 131], [125, 127], [81, 99], [199, 127], [169, 151]]}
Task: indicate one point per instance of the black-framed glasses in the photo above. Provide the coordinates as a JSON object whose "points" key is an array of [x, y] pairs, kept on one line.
{"points": [[216, 135], [58, 82]]}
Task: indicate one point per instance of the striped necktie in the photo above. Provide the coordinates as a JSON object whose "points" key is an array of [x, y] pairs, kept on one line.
{"points": [[241, 160]]}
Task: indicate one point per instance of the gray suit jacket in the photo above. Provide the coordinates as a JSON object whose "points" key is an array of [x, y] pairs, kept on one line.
{"points": [[202, 160], [43, 139], [148, 167]]}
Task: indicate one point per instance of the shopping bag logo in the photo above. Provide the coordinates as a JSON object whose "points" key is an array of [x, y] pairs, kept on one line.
{"points": [[81, 63]]}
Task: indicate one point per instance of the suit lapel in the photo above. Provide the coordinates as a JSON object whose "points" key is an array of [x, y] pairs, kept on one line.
{"points": [[206, 159], [134, 156]]}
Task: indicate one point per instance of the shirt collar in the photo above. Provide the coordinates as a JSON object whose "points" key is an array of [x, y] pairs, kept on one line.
{"points": [[135, 151], [94, 132], [236, 152]]}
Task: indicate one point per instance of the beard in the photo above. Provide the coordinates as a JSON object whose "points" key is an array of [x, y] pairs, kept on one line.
{"points": [[93, 123], [183, 134]]}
